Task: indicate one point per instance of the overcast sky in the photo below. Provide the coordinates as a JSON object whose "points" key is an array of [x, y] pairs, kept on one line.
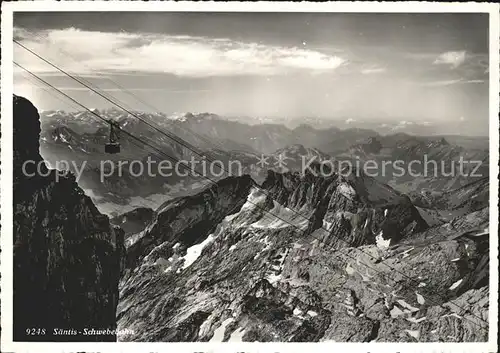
{"points": [[420, 67]]}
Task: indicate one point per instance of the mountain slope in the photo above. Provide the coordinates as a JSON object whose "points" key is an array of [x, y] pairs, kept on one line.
{"points": [[252, 275], [438, 207]]}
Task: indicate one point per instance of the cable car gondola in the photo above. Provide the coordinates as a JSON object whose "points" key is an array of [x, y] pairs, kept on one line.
{"points": [[113, 146]]}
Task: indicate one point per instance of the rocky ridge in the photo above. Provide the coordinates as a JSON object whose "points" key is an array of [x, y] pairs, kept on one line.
{"points": [[306, 258]]}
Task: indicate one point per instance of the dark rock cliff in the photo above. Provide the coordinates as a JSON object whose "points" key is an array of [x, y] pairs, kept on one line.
{"points": [[67, 257]]}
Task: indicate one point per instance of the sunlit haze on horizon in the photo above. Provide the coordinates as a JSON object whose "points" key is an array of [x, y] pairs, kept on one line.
{"points": [[363, 67]]}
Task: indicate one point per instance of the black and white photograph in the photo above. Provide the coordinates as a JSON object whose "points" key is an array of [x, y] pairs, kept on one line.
{"points": [[212, 175]]}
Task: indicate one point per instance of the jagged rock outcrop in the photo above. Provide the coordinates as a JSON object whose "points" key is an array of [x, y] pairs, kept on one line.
{"points": [[189, 220], [350, 210], [67, 257]]}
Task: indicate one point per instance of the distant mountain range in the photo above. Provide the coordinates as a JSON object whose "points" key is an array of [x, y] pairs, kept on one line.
{"points": [[458, 127], [288, 131], [81, 137]]}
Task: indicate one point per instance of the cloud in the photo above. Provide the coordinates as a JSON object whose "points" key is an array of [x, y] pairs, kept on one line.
{"points": [[450, 82], [474, 81], [56, 74], [87, 52], [373, 70], [440, 83], [468, 65], [452, 58], [370, 69], [84, 89]]}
